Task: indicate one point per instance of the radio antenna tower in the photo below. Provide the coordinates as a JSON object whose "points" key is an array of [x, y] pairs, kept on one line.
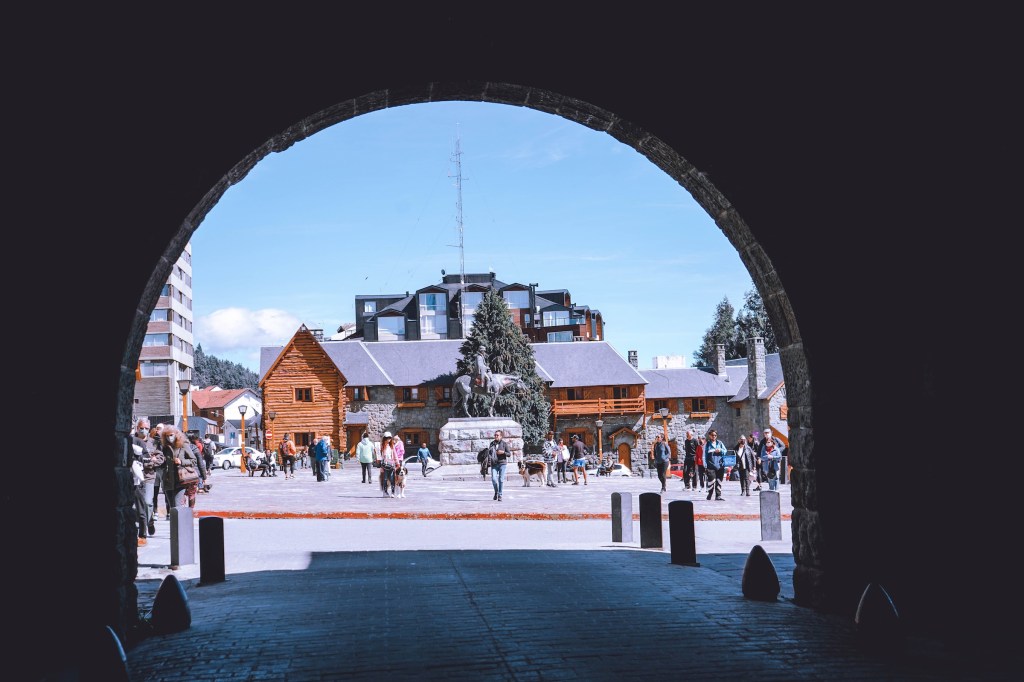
{"points": [[458, 222]]}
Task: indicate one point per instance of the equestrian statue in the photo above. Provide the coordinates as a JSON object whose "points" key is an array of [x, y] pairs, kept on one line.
{"points": [[485, 382]]}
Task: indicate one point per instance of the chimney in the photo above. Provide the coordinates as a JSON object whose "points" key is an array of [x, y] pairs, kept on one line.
{"points": [[720, 362], [756, 377], [632, 359]]}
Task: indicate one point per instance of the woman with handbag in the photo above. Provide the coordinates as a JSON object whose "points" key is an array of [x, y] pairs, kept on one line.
{"points": [[181, 472], [389, 464]]}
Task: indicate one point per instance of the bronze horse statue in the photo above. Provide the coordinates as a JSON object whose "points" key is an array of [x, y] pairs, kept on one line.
{"points": [[498, 384]]}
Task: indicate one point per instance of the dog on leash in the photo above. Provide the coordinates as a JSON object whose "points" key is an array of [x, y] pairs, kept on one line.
{"points": [[400, 475], [529, 470]]}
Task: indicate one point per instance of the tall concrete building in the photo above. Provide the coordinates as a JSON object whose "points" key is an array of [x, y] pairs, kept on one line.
{"points": [[167, 351]]}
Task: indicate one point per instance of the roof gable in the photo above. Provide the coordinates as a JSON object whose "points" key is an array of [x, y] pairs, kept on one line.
{"points": [[302, 331]]}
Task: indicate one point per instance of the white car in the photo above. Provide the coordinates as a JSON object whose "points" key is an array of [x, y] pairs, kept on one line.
{"points": [[231, 458], [618, 469], [412, 464]]}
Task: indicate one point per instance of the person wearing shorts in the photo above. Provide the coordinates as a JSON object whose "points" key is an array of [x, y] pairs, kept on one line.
{"points": [[579, 460]]}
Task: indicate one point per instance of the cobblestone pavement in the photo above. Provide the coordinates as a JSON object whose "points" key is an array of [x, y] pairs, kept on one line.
{"points": [[418, 596]]}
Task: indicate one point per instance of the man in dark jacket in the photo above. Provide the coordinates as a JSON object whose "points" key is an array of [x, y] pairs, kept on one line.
{"points": [[690, 461], [662, 459]]}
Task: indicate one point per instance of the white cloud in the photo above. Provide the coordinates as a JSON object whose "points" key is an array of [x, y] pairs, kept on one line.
{"points": [[231, 329]]}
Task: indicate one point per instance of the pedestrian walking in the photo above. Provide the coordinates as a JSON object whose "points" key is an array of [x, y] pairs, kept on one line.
{"points": [[424, 456], [562, 461], [689, 461], [771, 457], [498, 453], [662, 459], [286, 450], [550, 452], [698, 458], [746, 464], [578, 452], [388, 465], [714, 462], [365, 453]]}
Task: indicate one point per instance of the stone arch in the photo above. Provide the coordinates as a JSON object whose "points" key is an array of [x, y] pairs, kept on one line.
{"points": [[807, 576]]}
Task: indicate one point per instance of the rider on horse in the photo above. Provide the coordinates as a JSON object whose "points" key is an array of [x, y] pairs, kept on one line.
{"points": [[481, 372]]}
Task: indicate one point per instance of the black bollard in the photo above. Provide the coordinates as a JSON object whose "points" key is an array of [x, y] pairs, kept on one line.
{"points": [[211, 550], [622, 517], [681, 533], [760, 580], [650, 520], [171, 612], [771, 515]]}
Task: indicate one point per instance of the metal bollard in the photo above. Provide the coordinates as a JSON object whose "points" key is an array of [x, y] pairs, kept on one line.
{"points": [[681, 533], [622, 517], [211, 550], [650, 520], [771, 515]]}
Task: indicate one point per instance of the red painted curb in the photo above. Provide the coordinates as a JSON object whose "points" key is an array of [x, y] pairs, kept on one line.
{"points": [[460, 516]]}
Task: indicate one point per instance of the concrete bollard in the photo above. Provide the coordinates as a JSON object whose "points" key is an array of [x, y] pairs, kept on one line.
{"points": [[622, 517], [183, 549], [211, 550], [650, 521], [681, 533], [771, 515]]}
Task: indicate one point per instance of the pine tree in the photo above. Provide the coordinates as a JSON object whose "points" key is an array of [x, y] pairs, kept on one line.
{"points": [[507, 351], [752, 320], [723, 330]]}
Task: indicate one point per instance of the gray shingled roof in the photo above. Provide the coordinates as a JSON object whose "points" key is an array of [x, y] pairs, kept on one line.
{"points": [[773, 376], [688, 382], [585, 363], [410, 363]]}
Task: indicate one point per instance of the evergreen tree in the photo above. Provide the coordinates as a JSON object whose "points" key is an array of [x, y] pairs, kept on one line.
{"points": [[212, 371], [752, 320], [723, 330], [507, 351]]}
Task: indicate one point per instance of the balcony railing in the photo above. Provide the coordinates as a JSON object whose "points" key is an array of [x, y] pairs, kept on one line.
{"points": [[599, 406]]}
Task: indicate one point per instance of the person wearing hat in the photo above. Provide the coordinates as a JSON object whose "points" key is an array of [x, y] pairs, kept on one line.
{"points": [[388, 464]]}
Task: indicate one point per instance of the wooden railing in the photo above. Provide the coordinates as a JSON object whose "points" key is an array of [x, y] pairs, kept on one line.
{"points": [[600, 406]]}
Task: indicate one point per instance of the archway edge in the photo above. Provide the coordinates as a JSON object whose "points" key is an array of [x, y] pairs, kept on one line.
{"points": [[753, 255]]}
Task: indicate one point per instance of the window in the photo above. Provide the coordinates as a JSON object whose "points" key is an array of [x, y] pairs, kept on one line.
{"points": [[433, 316], [470, 301], [157, 340], [516, 299], [155, 368], [160, 315], [391, 328], [555, 318], [659, 404], [304, 395], [574, 394], [620, 392], [559, 337], [738, 412], [369, 307], [446, 393], [412, 394], [359, 393], [698, 405]]}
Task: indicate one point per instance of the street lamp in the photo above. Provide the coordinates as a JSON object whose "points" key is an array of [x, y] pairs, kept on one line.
{"points": [[184, 384], [241, 460], [664, 422], [600, 452], [269, 432]]}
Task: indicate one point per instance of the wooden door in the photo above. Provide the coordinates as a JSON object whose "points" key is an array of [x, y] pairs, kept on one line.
{"points": [[625, 455]]}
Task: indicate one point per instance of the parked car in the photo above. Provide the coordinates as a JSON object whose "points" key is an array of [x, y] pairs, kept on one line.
{"points": [[412, 463], [619, 469], [231, 458]]}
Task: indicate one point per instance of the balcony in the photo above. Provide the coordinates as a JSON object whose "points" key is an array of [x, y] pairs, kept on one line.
{"points": [[599, 406]]}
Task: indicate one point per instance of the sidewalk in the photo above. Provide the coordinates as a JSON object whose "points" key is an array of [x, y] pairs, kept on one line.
{"points": [[398, 597]]}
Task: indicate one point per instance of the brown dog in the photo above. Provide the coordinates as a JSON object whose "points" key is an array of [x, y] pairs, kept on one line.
{"points": [[533, 468]]}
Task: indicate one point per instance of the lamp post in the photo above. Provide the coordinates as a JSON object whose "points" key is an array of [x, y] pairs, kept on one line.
{"points": [[184, 384], [600, 452], [267, 434], [241, 460], [664, 422]]}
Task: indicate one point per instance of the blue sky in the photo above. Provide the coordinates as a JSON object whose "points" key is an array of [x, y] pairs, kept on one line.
{"points": [[369, 206]]}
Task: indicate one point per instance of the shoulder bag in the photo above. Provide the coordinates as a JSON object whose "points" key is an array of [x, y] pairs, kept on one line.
{"points": [[187, 474]]}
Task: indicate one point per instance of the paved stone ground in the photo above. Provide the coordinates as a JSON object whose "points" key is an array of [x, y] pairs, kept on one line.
{"points": [[413, 597]]}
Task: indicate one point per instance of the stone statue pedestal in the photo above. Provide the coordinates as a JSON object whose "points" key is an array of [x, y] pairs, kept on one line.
{"points": [[462, 438]]}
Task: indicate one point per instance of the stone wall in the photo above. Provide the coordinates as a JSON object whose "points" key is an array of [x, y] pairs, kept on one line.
{"points": [[462, 438]]}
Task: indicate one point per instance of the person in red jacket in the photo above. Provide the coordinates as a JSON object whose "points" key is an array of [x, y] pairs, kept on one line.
{"points": [[698, 458]]}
